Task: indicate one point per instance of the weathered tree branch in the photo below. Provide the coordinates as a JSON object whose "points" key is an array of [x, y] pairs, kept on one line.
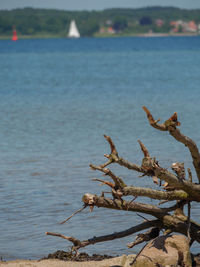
{"points": [[119, 183], [170, 125], [72, 239], [177, 223], [176, 188], [151, 168], [192, 189], [117, 204], [148, 192], [77, 211], [155, 194], [80, 244], [147, 236]]}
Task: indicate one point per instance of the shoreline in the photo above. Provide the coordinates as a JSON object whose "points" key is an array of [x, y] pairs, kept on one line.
{"points": [[117, 261], [25, 37], [121, 261]]}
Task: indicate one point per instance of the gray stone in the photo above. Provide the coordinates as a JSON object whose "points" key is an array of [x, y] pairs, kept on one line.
{"points": [[170, 250]]}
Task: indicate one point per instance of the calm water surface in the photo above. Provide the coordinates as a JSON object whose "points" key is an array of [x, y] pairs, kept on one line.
{"points": [[57, 99]]}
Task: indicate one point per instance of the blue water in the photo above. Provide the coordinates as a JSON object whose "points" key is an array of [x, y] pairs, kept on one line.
{"points": [[57, 99]]}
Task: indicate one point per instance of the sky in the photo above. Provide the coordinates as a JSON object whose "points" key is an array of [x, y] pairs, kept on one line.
{"points": [[96, 4]]}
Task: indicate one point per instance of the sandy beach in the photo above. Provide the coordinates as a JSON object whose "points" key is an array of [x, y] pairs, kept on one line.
{"points": [[114, 262]]}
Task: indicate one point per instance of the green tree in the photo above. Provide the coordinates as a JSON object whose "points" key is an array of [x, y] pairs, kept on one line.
{"points": [[120, 24], [145, 21], [88, 28], [5, 25], [180, 28], [30, 21]]}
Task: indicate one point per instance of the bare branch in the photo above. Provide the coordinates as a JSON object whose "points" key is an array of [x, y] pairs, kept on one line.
{"points": [[130, 166], [152, 122], [145, 219], [126, 206], [74, 240], [191, 146], [154, 170], [155, 194], [106, 163], [144, 149], [119, 183], [104, 182], [114, 158], [147, 236], [79, 244], [179, 169], [174, 222], [79, 210], [192, 189], [176, 187], [170, 125], [112, 146], [172, 121]]}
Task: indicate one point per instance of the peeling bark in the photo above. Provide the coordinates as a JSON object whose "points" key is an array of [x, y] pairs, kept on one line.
{"points": [[155, 194]]}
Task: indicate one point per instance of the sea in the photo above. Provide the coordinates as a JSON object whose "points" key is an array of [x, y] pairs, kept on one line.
{"points": [[58, 97]]}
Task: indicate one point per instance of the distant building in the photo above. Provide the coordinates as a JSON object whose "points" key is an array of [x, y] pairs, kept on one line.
{"points": [[159, 22], [109, 22], [111, 30], [176, 25], [173, 23], [108, 30], [191, 27], [102, 30]]}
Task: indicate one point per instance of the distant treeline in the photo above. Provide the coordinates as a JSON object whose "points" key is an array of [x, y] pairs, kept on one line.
{"points": [[34, 22]]}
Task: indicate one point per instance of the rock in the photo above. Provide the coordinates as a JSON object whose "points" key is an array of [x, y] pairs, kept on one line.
{"points": [[196, 260], [163, 251]]}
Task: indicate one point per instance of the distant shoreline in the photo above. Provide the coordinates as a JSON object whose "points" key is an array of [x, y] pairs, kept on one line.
{"points": [[167, 35], [104, 36]]}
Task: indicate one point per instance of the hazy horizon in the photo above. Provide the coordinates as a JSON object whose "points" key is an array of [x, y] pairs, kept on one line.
{"points": [[96, 5]]}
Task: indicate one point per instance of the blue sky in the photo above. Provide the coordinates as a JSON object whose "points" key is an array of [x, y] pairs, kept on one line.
{"points": [[96, 4]]}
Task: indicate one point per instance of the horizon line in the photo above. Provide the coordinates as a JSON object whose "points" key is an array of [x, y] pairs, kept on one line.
{"points": [[90, 10]]}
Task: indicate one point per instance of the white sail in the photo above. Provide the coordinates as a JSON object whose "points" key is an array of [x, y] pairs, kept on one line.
{"points": [[73, 30]]}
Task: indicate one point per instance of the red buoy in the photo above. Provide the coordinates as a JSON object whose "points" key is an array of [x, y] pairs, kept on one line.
{"points": [[14, 38]]}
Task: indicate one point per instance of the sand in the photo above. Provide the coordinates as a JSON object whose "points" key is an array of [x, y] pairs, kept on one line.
{"points": [[114, 262]]}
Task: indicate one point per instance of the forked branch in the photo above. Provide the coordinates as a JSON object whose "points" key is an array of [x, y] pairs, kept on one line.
{"points": [[170, 125], [176, 188]]}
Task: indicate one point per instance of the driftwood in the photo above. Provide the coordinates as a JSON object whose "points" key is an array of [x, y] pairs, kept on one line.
{"points": [[175, 186]]}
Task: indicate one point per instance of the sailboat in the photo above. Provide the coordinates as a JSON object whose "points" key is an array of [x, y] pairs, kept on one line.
{"points": [[14, 37], [73, 30]]}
